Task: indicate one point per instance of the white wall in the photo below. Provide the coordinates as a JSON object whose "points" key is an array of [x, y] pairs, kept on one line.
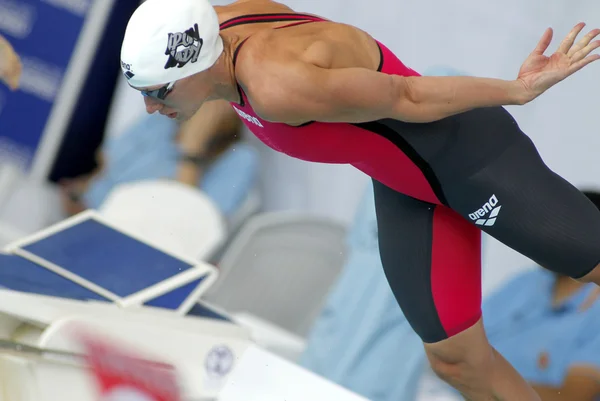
{"points": [[489, 38]]}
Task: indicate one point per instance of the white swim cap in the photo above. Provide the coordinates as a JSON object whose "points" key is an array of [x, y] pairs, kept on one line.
{"points": [[167, 40]]}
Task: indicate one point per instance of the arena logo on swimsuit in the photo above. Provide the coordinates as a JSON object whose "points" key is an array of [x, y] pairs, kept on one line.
{"points": [[490, 206], [248, 117]]}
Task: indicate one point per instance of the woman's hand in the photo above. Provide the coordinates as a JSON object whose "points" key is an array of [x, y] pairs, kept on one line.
{"points": [[539, 72]]}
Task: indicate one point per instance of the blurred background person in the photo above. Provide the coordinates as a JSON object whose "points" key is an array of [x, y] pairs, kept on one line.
{"points": [[206, 152], [10, 65]]}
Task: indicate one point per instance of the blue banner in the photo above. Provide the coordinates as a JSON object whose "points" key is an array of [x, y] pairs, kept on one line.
{"points": [[45, 34]]}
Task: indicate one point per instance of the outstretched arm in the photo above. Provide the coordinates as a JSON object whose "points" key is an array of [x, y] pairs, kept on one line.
{"points": [[357, 95], [202, 137]]}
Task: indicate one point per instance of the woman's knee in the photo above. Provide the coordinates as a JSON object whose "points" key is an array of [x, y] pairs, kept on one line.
{"points": [[463, 360], [592, 277]]}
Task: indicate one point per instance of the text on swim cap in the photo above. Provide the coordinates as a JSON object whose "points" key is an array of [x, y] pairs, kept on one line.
{"points": [[191, 42], [128, 73]]}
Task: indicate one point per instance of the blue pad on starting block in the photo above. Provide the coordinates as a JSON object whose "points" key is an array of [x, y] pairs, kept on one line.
{"points": [[102, 260]]}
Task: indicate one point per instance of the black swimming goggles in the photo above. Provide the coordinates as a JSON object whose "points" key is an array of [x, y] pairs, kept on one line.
{"points": [[160, 93]]}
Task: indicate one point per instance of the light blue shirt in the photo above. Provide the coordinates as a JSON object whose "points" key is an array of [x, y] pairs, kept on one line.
{"points": [[362, 340], [147, 151], [541, 341]]}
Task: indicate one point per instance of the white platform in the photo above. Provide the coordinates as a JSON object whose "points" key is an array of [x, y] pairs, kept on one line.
{"points": [[86, 273], [47, 323]]}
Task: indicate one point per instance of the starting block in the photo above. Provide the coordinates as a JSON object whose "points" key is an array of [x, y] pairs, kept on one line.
{"points": [[85, 257], [84, 272]]}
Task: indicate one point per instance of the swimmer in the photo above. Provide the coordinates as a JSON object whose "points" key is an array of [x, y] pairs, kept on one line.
{"points": [[446, 159], [10, 65]]}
